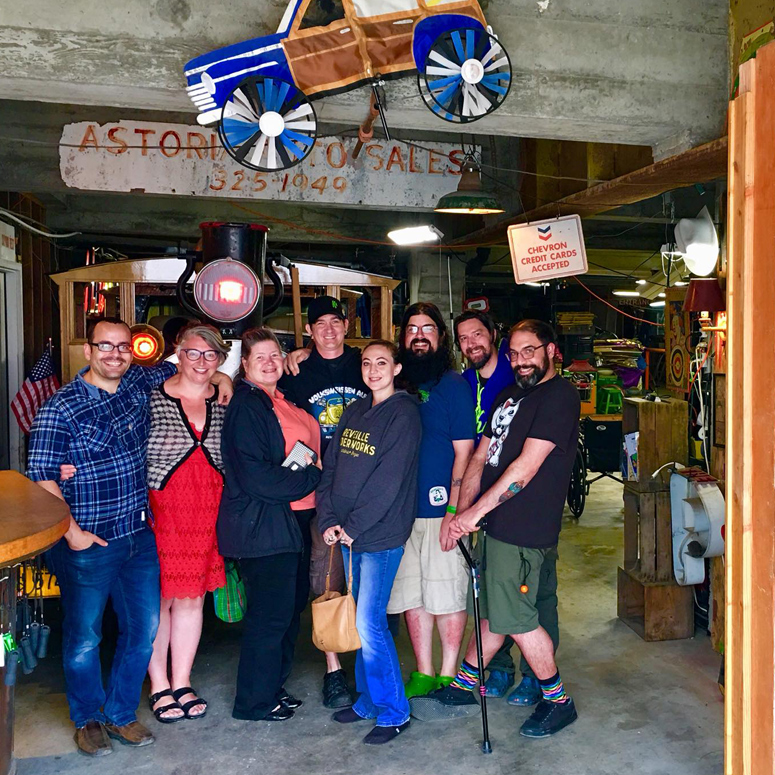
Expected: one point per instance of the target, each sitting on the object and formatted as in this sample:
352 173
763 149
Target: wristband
451 510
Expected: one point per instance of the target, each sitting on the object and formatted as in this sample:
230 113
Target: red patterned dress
184 515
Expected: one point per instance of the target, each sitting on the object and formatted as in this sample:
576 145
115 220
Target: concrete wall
626 71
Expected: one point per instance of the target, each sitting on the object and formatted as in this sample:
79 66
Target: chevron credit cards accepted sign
542 250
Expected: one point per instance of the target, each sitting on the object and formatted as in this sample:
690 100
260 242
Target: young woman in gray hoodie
367 500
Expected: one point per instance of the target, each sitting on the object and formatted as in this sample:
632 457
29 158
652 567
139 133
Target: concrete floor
644 708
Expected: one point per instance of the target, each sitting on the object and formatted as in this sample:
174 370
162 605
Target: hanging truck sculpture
260 92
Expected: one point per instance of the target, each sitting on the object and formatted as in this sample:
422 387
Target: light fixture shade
704 295
697 240
469 203
469 199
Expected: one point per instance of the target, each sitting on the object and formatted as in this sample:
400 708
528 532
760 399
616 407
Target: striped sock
553 690
467 677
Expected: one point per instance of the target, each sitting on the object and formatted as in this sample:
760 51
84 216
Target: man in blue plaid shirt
99 423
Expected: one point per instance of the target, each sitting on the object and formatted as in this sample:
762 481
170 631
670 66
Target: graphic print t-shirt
447 414
325 388
548 411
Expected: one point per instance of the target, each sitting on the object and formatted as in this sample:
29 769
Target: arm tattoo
457 482
511 491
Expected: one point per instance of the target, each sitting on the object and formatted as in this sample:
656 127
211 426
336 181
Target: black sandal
186 706
157 712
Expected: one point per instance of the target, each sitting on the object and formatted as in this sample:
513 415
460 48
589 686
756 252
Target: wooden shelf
663 438
656 610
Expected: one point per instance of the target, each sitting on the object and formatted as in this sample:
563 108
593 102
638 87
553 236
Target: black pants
303 517
268 634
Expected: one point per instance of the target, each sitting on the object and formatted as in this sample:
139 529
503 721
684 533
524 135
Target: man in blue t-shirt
431 584
490 369
489 373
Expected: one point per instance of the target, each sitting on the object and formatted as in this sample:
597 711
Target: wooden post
67 312
750 547
298 333
126 296
386 313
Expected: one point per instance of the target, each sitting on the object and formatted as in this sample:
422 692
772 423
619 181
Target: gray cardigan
172 439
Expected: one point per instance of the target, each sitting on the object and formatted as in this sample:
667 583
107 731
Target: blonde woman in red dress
185 482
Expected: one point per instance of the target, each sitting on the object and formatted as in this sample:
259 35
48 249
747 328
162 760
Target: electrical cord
616 309
696 382
8 214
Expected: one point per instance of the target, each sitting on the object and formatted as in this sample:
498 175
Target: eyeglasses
525 352
428 328
107 347
195 355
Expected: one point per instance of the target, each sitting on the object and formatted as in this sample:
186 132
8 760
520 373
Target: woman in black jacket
367 499
257 526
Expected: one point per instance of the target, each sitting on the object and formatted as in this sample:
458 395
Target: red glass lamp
704 295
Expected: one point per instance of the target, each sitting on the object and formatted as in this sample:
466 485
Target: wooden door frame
750 536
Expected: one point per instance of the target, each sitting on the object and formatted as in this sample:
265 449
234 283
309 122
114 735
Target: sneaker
382 735
347 716
336 692
447 703
288 700
548 718
527 693
498 683
420 684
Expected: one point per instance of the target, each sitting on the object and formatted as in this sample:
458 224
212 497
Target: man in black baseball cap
327 379
324 305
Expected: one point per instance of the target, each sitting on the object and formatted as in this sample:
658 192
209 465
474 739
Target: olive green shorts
504 568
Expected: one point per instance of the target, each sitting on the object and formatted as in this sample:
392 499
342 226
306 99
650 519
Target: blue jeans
127 570
377 671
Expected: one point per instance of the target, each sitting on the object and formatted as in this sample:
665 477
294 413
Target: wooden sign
156 158
542 250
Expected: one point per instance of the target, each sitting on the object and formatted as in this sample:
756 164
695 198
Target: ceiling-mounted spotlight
469 199
627 293
415 235
697 241
657 304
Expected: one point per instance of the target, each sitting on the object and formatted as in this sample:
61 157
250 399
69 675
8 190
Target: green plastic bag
230 600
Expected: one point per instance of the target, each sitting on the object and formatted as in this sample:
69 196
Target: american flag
36 390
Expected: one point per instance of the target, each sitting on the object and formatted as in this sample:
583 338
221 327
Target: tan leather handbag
333 616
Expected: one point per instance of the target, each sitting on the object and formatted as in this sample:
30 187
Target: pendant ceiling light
469 199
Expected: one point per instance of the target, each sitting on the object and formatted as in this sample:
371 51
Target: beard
479 361
423 367
534 377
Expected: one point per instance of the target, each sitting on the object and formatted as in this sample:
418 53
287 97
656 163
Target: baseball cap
325 305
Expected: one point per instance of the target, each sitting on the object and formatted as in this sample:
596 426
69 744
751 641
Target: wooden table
32 521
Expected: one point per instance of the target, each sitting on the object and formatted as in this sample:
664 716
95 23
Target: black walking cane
473 566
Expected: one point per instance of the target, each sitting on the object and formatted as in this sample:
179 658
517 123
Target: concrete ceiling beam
626 72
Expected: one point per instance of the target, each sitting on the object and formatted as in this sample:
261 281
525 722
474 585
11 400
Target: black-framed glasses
526 352
428 328
107 347
194 355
